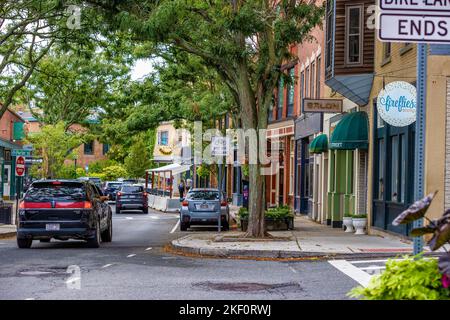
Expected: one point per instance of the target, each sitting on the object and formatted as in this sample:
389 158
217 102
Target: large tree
247 42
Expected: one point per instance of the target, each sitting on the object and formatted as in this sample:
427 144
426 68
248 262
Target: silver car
201 207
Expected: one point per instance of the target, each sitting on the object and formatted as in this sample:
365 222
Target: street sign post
20 152
219 148
422 22
20 166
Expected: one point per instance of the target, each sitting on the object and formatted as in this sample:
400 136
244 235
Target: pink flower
445 281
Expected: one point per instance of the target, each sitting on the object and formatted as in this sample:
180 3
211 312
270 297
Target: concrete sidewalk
7 231
309 239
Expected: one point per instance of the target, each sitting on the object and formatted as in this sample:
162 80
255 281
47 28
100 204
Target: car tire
94 242
45 240
183 226
24 243
145 210
107 234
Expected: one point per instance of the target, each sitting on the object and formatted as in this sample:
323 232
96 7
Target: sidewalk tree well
246 42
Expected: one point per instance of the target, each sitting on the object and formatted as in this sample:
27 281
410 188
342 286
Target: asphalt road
135 266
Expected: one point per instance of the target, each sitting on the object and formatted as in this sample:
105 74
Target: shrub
414 278
359 216
114 172
243 213
279 213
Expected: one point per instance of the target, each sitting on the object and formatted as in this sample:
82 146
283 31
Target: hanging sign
397 104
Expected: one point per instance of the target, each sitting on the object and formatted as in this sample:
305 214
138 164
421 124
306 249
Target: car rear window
114 185
132 189
203 195
58 191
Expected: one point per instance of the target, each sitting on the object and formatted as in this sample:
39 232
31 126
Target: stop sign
20 166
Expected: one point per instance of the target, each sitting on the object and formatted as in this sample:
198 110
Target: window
354 34
307 83
163 138
280 98
329 35
270 116
313 81
105 148
302 87
380 169
394 168
89 148
290 93
387 49
318 76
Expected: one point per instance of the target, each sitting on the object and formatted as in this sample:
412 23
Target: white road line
129 218
175 227
372 261
293 270
353 272
149 248
107 265
373 268
131 255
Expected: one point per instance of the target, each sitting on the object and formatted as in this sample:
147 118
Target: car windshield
58 191
203 195
114 185
132 189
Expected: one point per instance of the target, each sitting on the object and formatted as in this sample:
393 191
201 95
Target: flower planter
360 225
272 224
348 223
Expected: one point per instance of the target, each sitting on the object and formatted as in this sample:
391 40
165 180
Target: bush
80 172
414 278
67 172
359 216
115 172
278 213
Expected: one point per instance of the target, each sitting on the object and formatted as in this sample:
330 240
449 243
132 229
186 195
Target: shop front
308 166
347 182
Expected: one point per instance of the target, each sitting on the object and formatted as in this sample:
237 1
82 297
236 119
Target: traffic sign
27 147
416 5
407 27
20 166
220 146
21 152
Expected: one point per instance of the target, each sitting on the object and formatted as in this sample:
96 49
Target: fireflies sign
426 21
397 104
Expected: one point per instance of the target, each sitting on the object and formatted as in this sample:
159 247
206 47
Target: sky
141 69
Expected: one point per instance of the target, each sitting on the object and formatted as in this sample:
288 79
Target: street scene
235 150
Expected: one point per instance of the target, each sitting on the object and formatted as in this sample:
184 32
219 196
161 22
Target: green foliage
245 170
67 172
279 213
243 213
80 172
100 165
413 278
203 171
114 172
138 159
99 175
348 215
359 216
54 144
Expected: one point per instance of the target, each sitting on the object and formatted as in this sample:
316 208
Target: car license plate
133 197
52 227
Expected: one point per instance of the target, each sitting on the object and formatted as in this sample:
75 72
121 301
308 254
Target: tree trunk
256 223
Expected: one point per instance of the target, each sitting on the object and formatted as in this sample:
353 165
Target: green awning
319 144
351 132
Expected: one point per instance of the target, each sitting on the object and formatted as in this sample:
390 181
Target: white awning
175 168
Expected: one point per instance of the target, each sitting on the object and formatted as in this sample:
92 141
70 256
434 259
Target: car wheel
94 242
45 240
145 210
184 226
107 234
24 243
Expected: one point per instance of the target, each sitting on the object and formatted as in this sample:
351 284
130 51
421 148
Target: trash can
6 213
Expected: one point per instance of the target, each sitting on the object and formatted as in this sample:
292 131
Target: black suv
131 197
64 209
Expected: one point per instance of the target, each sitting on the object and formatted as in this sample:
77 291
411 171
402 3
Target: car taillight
87 205
145 194
185 203
223 203
22 205
119 194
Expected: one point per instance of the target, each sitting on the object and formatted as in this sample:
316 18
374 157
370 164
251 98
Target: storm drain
248 286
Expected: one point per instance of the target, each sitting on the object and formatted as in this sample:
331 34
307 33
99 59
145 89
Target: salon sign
397 104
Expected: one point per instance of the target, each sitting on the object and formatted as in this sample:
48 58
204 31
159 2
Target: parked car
131 197
111 188
64 209
201 207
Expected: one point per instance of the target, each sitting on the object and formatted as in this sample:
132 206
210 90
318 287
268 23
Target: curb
279 254
8 235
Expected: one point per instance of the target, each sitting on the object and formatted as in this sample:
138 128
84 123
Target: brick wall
6 124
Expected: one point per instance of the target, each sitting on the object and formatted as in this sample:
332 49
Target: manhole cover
247 286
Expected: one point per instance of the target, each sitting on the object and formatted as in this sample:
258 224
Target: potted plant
348 223
415 278
359 222
276 219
